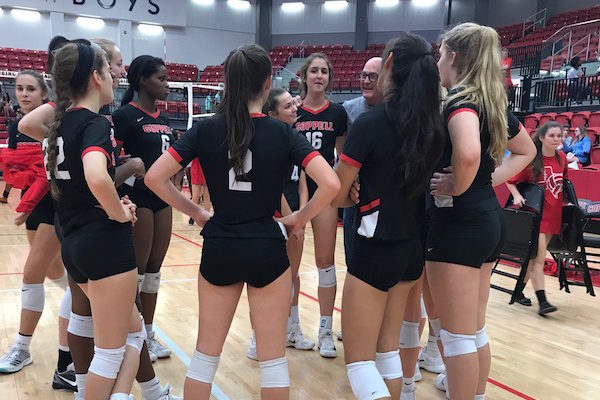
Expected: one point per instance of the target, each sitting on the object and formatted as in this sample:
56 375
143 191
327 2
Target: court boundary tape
490 380
215 390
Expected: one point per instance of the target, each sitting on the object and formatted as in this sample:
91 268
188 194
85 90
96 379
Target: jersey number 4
241 186
315 138
60 158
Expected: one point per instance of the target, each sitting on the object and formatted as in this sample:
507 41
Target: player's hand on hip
442 183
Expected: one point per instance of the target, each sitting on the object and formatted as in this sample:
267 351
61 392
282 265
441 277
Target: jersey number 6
60 158
315 139
241 186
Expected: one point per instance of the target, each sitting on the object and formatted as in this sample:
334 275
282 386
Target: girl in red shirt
548 169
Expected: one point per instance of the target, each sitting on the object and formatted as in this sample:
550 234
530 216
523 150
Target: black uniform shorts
43 213
469 239
258 262
382 264
143 198
98 250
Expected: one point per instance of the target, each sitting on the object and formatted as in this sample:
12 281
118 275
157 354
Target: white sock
253 338
149 331
119 396
290 322
480 396
326 322
23 341
152 389
408 384
63 348
294 314
80 379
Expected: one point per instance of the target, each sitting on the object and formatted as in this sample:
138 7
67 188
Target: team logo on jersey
554 181
314 125
156 128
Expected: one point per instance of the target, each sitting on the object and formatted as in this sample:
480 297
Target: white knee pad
274 373
409 335
33 297
119 396
436 327
81 325
151 282
202 367
107 362
136 339
140 280
456 344
65 305
63 281
389 364
423 309
481 338
366 382
327 277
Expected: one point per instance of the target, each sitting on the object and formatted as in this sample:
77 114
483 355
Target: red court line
186 239
490 380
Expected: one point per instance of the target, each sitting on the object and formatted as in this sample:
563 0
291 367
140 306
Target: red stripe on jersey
97 148
51 104
350 160
153 115
175 154
521 127
277 214
119 142
315 112
75 109
458 111
257 115
309 157
370 206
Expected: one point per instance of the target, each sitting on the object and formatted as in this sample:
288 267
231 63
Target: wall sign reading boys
153 9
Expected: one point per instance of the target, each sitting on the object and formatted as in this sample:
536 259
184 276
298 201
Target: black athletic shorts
58 228
467 238
258 262
143 198
293 200
383 264
43 213
98 250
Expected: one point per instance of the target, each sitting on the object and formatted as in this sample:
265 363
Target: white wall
406 16
73 30
313 19
25 35
508 12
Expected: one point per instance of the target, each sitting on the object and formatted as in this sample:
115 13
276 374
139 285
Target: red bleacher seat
564 118
594 135
547 117
595 155
532 121
580 118
594 119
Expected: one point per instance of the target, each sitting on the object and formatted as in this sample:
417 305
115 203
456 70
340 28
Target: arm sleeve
301 151
119 120
514 125
96 137
565 163
455 107
185 149
584 148
357 145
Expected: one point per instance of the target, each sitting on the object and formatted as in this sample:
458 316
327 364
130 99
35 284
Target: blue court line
215 391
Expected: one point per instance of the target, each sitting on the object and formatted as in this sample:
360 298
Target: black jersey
384 212
15 137
290 187
322 127
244 205
480 195
81 131
142 135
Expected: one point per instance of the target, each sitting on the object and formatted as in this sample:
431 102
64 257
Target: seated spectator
573 70
579 150
566 139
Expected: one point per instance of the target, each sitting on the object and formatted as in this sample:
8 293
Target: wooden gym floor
533 357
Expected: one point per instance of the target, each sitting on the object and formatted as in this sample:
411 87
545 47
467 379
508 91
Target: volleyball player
466 228
145 133
245 157
324 125
395 165
37 212
80 159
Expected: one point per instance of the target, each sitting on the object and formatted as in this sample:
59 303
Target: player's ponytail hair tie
85 61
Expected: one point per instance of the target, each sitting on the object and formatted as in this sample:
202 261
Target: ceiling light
293 6
239 4
424 3
335 5
204 2
150 29
25 15
386 3
90 23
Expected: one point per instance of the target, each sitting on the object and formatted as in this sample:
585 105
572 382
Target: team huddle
413 169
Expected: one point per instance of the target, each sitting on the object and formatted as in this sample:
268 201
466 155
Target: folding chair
569 248
522 232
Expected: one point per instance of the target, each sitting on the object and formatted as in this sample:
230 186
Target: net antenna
189 87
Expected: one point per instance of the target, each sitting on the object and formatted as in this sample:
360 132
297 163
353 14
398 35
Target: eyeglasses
373 76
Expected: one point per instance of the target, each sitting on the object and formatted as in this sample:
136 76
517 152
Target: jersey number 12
60 158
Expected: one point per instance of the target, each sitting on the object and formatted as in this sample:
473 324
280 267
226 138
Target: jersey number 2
241 186
60 158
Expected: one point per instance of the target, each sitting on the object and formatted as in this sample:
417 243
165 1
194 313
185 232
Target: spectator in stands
577 89
573 70
506 67
354 108
579 150
208 103
6 104
217 98
566 139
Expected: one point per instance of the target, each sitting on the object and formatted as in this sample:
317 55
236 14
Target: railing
586 39
530 23
578 24
566 92
302 49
